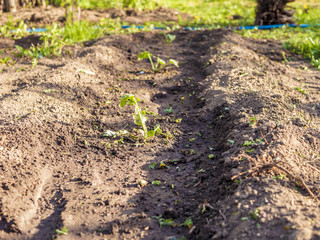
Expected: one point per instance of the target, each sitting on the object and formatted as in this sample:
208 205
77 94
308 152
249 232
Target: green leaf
161 61
174 62
156 183
188 222
157 129
152 165
144 55
169 110
170 38
63 231
123 102
151 133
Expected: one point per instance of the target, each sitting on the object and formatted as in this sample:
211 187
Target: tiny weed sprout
164 222
152 166
156 183
160 62
169 38
62 231
5 60
169 110
304 92
255 214
188 222
253 121
139 115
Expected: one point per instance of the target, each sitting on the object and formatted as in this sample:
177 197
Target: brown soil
58 170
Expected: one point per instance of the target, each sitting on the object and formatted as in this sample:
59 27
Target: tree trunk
10 6
273 12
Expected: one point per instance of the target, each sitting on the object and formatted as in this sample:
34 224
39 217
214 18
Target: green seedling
174 161
253 143
255 214
211 156
156 183
284 57
279 176
62 231
163 165
169 38
139 115
188 222
152 166
169 110
164 222
231 141
192 140
304 92
5 60
160 62
253 121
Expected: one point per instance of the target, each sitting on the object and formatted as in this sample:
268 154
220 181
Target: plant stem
153 69
145 130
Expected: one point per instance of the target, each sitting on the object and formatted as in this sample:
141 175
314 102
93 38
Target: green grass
202 13
219 13
305 42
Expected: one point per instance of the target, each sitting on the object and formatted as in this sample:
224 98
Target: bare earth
239 151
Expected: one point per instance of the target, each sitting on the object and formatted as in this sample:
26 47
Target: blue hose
199 28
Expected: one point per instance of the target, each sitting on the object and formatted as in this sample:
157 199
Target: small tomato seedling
139 115
160 62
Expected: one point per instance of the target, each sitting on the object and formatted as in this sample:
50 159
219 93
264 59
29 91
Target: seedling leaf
188 222
151 133
174 62
63 231
144 55
161 61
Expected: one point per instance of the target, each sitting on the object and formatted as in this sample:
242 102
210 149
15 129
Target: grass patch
305 42
205 13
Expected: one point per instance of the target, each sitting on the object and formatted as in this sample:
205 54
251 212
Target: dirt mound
238 157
